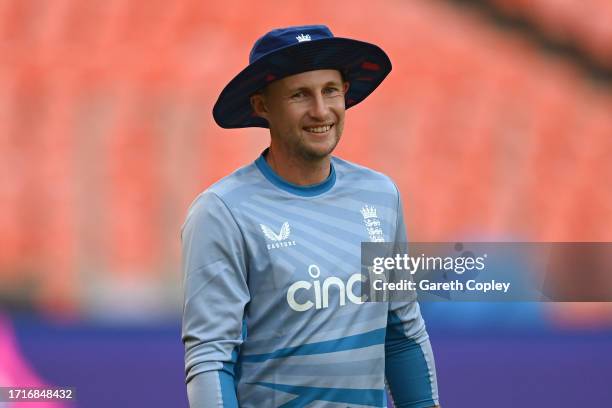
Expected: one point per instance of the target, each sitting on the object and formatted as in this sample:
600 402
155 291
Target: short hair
343 76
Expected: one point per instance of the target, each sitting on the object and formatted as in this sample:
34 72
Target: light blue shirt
272 311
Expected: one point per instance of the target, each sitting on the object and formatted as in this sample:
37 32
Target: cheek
294 118
341 120
339 107
283 119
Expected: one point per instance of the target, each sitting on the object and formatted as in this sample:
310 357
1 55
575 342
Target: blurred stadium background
496 122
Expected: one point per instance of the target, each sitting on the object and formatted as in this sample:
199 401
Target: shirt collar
304 191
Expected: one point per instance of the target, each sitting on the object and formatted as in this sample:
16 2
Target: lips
318 129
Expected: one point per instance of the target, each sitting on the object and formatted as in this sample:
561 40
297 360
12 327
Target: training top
273 314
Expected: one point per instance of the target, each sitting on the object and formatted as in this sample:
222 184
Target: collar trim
304 191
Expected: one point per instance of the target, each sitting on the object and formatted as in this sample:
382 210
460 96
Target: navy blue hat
293 50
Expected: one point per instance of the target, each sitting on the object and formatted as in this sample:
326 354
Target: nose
319 109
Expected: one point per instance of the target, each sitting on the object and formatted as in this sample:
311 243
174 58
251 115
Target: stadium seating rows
106 134
583 23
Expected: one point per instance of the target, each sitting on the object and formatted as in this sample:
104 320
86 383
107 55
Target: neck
297 170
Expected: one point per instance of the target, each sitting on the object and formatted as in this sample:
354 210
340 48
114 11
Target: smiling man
273 313
306 116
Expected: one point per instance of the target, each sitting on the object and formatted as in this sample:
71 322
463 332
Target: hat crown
284 37
289 51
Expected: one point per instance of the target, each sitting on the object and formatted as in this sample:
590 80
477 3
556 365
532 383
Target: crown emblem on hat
303 37
368 212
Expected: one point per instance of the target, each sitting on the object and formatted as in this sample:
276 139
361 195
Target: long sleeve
409 363
215 295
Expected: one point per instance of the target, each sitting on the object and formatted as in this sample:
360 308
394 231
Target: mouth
319 130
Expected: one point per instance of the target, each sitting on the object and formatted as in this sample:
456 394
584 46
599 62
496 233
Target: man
273 315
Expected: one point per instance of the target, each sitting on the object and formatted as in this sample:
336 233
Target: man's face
305 113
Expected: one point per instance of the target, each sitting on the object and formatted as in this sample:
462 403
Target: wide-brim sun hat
293 50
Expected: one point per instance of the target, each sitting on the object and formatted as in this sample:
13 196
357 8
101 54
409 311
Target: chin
317 152
318 149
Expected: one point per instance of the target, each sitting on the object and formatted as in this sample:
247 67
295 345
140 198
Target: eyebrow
305 88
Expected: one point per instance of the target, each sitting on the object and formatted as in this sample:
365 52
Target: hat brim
364 66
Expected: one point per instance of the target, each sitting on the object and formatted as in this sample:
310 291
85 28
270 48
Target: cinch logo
320 293
303 37
281 239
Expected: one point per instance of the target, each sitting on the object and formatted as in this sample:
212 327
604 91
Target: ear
258 104
345 87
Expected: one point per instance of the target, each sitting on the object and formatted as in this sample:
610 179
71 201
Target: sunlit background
496 123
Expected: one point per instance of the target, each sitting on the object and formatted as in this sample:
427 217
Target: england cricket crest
372 223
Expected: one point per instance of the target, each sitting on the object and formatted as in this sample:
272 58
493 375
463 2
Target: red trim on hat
370 66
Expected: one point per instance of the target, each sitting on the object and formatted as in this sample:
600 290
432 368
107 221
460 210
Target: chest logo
372 223
320 291
280 240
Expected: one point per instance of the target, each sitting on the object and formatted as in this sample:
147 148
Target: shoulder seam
244 244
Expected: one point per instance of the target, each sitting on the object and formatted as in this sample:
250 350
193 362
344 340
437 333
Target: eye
331 90
298 95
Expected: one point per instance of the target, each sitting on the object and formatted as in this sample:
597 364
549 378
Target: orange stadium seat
107 134
585 23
